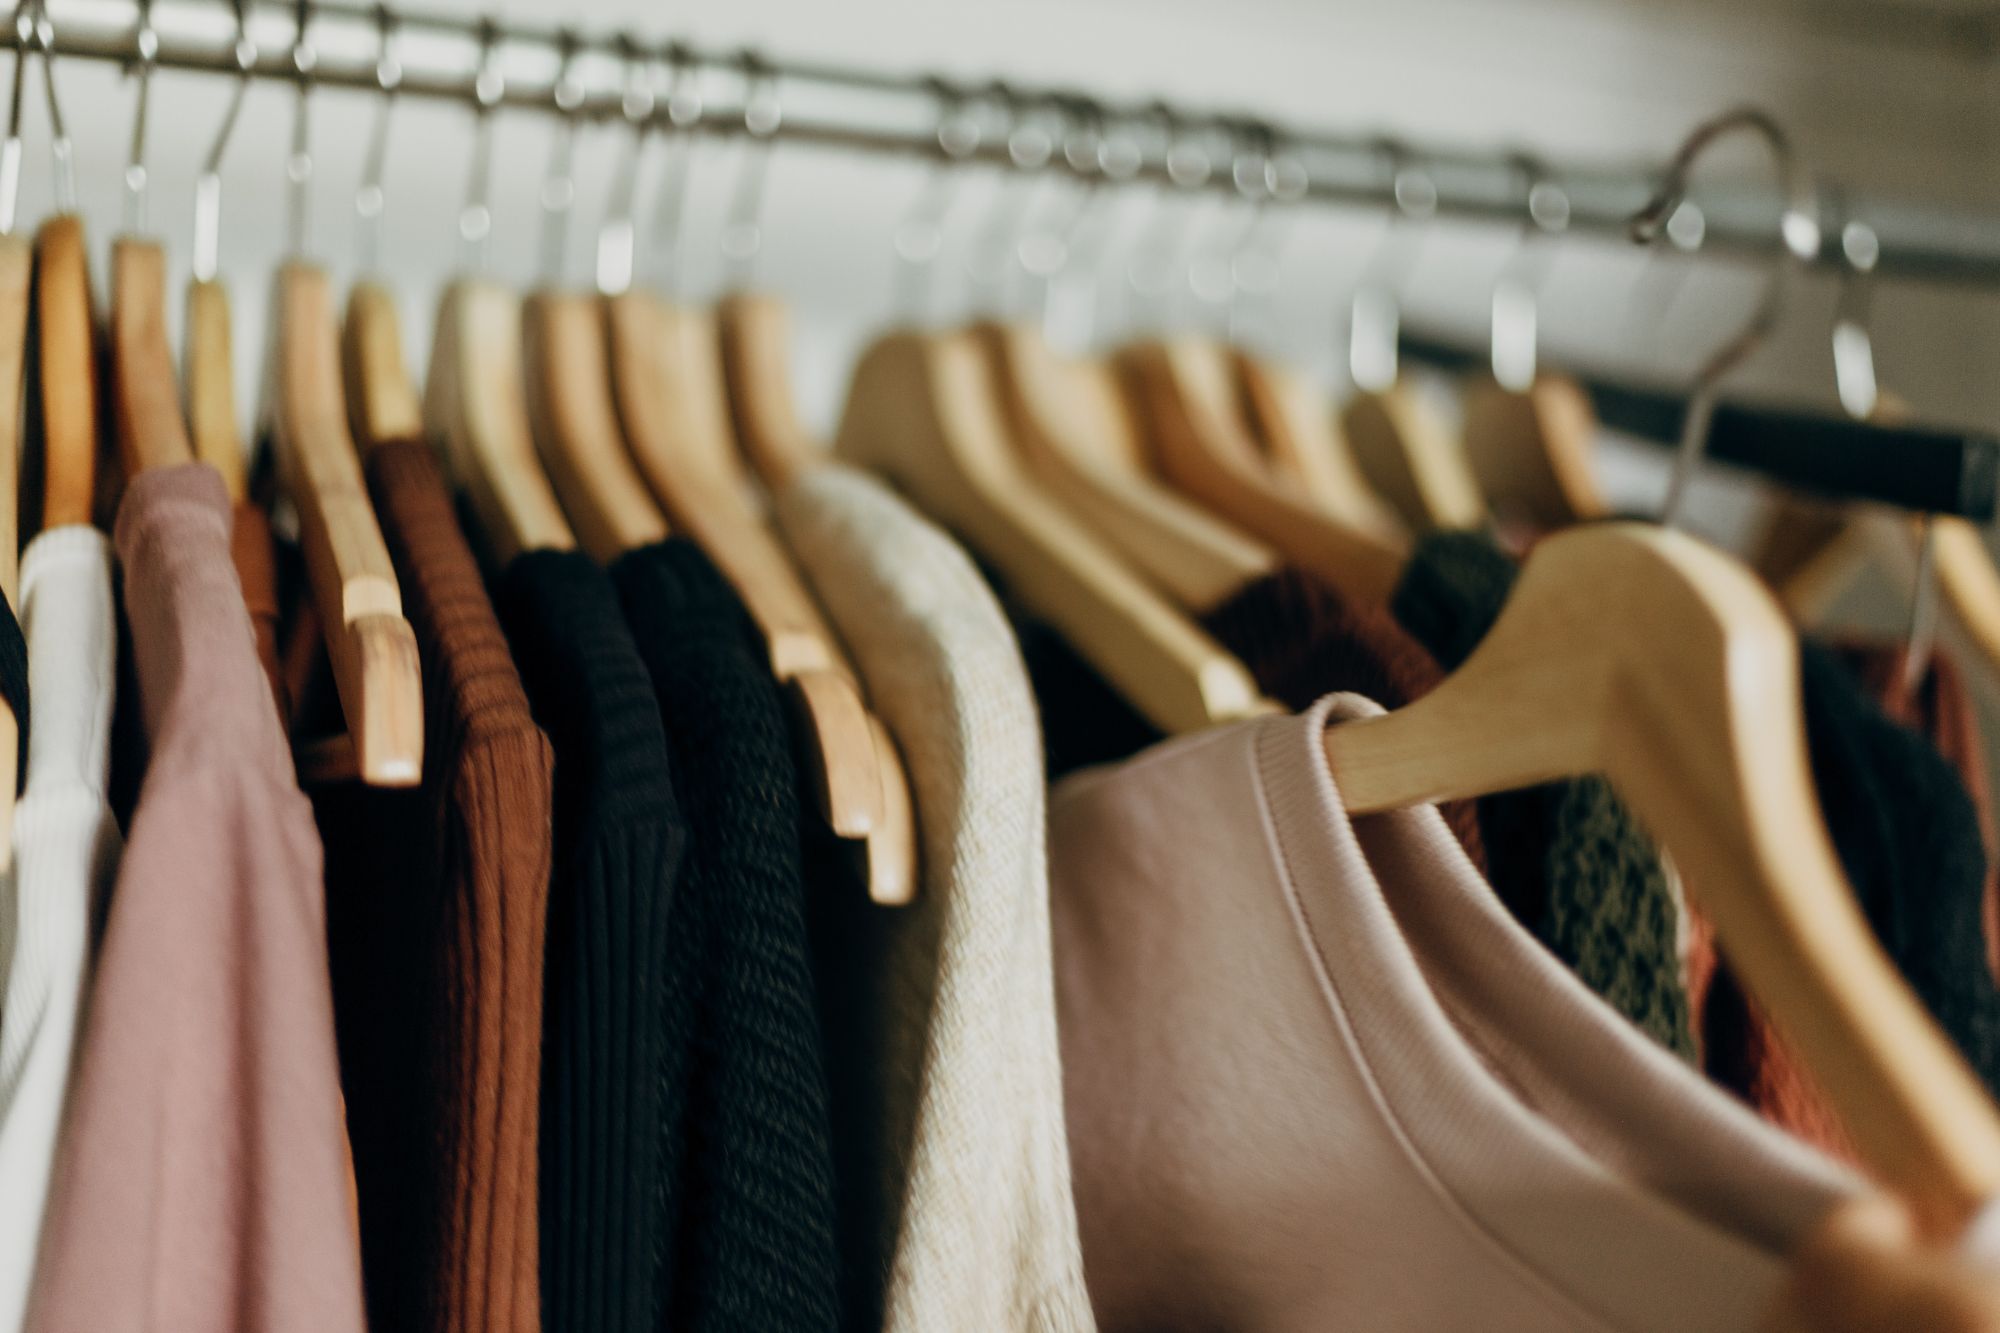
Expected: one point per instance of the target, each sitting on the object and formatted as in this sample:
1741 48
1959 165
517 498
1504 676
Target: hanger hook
299 162
61 150
919 236
1254 259
1799 235
1516 292
1157 248
1028 150
475 219
763 113
10 149
208 185
1068 251
618 240
1375 317
684 112
558 193
368 196
146 52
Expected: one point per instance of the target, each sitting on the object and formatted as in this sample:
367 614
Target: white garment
941 1016
66 848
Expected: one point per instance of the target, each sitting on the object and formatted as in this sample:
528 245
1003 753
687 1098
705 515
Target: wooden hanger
145 393
1077 435
371 646
1202 448
668 382
923 410
381 401
1641 654
1531 450
17 268
475 407
66 362
1295 422
756 351
1411 460
209 374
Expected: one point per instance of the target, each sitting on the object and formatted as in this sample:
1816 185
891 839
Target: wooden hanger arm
1682 687
381 401
1411 461
1295 421
145 393
1531 449
210 373
17 275
67 381
755 340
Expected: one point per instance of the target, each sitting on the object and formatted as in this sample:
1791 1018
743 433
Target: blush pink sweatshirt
202 1179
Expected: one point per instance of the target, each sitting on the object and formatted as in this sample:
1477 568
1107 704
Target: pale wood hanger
382 402
923 410
1202 448
209 374
756 348
1411 460
145 394
476 408
1077 435
66 363
17 290
1643 655
1295 422
1531 449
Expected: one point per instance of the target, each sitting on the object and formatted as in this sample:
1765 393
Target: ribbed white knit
66 848
980 1227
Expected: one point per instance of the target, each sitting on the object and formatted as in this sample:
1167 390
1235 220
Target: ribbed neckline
71 565
1450 1110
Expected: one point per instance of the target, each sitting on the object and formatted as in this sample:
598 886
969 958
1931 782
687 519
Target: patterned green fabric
1568 859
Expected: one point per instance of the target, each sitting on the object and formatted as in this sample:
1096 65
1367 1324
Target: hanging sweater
437 900
749 1240
617 857
66 849
1567 858
203 1177
946 1072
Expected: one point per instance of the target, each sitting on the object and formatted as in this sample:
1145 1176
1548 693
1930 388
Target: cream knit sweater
948 1007
66 849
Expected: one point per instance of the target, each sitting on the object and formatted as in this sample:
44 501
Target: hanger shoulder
65 344
922 410
381 401
475 407
1052 409
1295 421
17 268
145 393
1531 450
755 337
370 644
576 428
1411 460
1682 687
1204 451
209 369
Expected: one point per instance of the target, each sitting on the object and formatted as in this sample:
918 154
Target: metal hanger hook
475 219
991 261
208 185
617 239
558 192
1516 315
763 113
1800 238
299 162
1375 316
146 54
61 149
10 149
1156 251
919 235
368 196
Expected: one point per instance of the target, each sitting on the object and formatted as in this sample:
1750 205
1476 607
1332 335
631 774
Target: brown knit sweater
436 905
253 550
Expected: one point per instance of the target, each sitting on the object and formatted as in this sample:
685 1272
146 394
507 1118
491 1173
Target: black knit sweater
749 1242
619 837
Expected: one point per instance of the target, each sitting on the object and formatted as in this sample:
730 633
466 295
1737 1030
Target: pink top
202 1179
1317 1077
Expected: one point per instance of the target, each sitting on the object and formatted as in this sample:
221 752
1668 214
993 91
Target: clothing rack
522 66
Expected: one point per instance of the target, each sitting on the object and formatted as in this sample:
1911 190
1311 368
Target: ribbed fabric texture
253 550
957 1191
749 1242
619 835
1302 640
1567 858
437 901
66 849
203 1177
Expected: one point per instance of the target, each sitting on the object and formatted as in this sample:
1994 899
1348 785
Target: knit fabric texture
437 900
66 849
618 848
203 1177
1909 842
1302 640
749 1237
1567 858
941 1014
